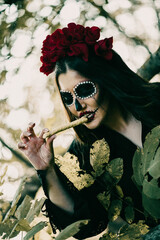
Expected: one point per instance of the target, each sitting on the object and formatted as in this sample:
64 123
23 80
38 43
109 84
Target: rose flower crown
74 40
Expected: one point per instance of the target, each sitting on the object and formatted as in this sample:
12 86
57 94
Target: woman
92 79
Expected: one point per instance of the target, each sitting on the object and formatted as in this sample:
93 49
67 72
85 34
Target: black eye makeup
82 90
67 97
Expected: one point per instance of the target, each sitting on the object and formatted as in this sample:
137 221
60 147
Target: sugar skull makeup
82 90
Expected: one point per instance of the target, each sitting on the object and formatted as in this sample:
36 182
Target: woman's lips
90 114
85 113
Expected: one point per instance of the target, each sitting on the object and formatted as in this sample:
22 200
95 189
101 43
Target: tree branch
151 67
157 14
16 154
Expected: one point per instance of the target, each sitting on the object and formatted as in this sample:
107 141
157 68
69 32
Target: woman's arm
41 155
57 192
63 205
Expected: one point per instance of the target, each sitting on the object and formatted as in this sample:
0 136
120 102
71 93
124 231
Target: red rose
51 41
79 49
57 54
74 40
75 32
60 40
104 48
47 44
56 36
92 35
46 67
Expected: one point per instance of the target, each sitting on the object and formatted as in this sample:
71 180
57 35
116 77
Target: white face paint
68 81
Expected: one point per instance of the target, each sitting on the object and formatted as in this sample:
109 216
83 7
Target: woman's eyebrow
86 80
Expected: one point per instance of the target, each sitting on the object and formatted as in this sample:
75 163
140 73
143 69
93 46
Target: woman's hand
38 150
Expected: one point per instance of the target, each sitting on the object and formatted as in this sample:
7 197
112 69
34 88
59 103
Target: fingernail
54 136
21 145
31 124
45 130
27 134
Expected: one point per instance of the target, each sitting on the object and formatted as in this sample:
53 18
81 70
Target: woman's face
81 97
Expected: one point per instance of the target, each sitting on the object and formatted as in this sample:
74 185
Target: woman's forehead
70 79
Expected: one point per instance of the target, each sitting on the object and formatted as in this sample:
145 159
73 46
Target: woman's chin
92 124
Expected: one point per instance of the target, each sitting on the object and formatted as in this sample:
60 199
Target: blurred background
26 95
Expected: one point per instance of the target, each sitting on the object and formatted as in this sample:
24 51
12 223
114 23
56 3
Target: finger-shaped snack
75 123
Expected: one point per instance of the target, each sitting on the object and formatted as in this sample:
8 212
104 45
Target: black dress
87 206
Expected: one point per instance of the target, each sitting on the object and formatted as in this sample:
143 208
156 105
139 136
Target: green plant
146 169
15 219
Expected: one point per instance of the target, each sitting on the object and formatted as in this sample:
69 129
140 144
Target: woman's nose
78 106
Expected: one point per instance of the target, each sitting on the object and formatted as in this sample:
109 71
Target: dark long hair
116 79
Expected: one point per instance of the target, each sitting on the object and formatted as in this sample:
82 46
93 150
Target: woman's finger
50 141
22 145
30 129
45 130
25 136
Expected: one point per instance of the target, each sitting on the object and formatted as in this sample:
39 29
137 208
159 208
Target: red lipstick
90 114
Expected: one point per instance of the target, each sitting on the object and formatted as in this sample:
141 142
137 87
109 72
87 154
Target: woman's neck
116 118
125 124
